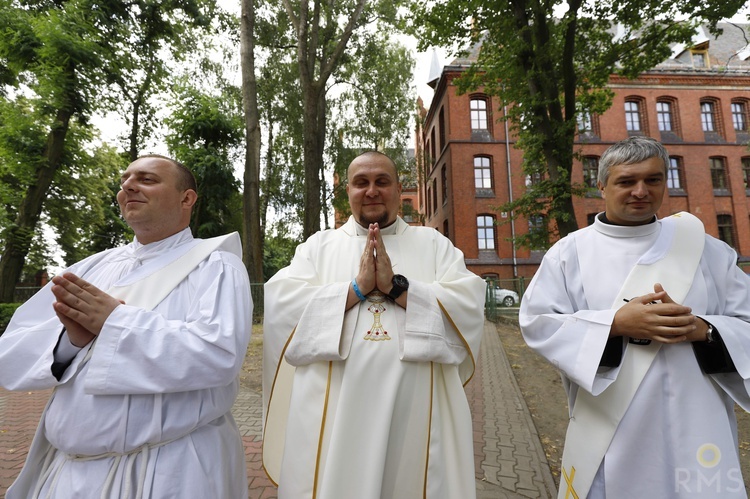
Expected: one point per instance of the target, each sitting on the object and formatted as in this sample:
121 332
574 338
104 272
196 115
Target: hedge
6 312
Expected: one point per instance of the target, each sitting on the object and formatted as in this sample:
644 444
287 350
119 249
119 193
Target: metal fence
23 293
498 300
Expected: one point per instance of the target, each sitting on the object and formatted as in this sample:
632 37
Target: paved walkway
509 459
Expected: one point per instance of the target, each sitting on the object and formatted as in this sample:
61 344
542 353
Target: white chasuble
377 407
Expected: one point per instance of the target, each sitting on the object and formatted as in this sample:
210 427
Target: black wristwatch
400 284
710 333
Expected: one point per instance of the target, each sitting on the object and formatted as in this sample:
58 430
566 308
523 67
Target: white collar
625 230
386 231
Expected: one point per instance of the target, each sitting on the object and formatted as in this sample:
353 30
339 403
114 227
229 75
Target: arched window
585 124
708 116
433 146
665 116
538 232
746 173
635 122
590 171
719 179
482 172
486 232
441 126
711 120
479 116
444 183
675 176
726 229
407 209
739 115
428 205
434 196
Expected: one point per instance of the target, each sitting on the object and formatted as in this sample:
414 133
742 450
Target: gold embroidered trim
463 340
429 430
322 430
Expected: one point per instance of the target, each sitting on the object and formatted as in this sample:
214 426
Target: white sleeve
554 324
195 339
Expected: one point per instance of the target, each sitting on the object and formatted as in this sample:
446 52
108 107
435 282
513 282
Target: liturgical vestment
147 412
377 407
678 438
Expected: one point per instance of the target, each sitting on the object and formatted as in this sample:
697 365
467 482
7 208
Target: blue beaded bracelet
357 291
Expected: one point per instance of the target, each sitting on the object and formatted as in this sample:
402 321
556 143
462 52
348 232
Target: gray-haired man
648 321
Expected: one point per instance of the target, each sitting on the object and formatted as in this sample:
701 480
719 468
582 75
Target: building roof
727 51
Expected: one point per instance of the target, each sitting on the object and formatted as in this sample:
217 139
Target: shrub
6 312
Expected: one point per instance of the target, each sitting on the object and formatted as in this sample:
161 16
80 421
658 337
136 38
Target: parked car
506 297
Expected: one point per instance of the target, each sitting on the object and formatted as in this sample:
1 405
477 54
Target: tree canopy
65 64
549 70
205 133
60 63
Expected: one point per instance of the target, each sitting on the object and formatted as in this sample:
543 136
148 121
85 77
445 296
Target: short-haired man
648 320
146 373
382 323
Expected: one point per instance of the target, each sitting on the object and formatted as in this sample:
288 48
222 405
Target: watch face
400 284
400 281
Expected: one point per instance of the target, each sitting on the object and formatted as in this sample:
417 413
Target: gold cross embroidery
569 482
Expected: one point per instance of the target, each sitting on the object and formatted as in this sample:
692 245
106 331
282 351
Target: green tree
282 183
81 203
323 32
376 107
205 133
252 249
55 52
280 105
548 70
57 63
378 98
155 38
278 250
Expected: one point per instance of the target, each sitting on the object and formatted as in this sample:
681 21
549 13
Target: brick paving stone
523 466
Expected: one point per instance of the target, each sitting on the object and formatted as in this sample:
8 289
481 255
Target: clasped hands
656 316
375 269
81 307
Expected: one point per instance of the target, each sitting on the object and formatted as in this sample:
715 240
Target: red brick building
696 103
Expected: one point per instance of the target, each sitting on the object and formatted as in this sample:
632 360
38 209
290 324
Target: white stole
148 291
672 261
150 288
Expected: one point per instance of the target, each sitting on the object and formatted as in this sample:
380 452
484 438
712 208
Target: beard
382 218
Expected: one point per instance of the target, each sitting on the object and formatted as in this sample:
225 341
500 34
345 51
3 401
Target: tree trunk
20 235
265 197
309 57
313 156
134 130
252 248
322 127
